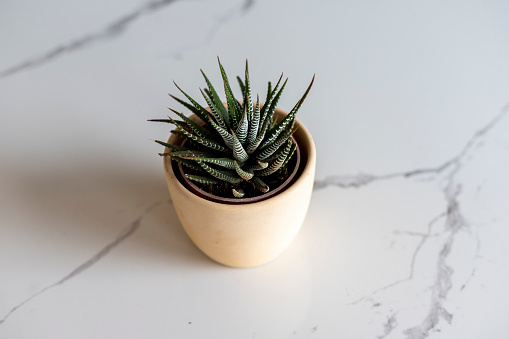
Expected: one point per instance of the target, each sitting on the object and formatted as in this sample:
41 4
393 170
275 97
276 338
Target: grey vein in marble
390 325
443 284
410 276
454 222
112 30
123 235
115 29
363 179
244 7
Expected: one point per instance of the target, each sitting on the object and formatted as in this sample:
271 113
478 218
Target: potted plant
240 173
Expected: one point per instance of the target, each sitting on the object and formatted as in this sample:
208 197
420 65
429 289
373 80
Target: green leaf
228 176
274 132
248 102
243 174
196 128
268 150
172 147
294 110
253 146
191 153
260 185
190 107
242 86
206 90
269 113
160 120
239 152
238 192
217 101
190 143
227 137
181 125
230 98
259 165
278 162
254 123
188 163
202 179
269 91
223 162
199 110
243 126
205 142
289 157
266 106
214 111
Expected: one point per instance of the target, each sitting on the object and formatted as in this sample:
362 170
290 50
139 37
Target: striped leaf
189 163
270 149
269 113
243 126
238 192
289 120
242 142
196 128
200 111
202 179
192 108
172 147
254 123
289 157
230 98
248 102
180 125
191 144
260 185
266 106
205 142
227 137
278 162
223 162
294 110
259 165
179 153
214 111
217 101
191 153
228 176
243 174
274 132
253 146
275 155
239 152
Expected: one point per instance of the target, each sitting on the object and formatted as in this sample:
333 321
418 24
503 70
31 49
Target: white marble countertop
407 231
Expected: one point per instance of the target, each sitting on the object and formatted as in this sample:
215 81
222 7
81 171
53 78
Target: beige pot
250 234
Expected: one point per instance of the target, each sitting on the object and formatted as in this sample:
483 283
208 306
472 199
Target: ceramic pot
250 234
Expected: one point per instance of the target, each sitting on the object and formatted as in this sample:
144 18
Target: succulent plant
239 141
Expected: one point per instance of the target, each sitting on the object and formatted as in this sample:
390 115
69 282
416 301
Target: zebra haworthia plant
239 142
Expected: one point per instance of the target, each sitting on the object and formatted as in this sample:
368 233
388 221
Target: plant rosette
259 155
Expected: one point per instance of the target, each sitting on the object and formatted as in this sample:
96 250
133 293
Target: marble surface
406 235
